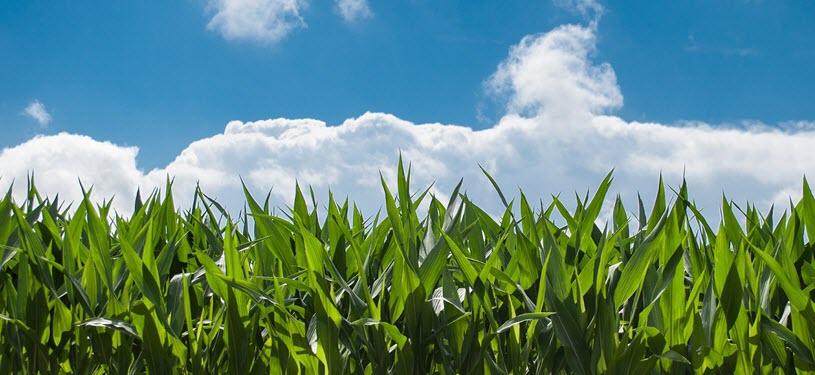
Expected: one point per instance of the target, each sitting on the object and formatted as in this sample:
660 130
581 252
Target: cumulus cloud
354 10
61 161
558 135
554 72
267 21
37 111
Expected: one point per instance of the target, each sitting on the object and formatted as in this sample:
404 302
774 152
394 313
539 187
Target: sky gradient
166 77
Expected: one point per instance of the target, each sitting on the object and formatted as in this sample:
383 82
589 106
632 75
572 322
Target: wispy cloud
354 10
266 21
694 46
270 21
591 10
724 51
37 111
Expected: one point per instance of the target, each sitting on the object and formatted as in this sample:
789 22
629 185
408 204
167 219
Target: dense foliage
447 290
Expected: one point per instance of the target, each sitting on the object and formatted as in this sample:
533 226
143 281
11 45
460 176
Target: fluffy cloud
36 110
558 136
553 72
266 21
354 10
61 161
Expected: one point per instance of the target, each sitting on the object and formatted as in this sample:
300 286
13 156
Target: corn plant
452 289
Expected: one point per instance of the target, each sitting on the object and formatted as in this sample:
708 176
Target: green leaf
793 342
114 324
470 274
633 273
525 317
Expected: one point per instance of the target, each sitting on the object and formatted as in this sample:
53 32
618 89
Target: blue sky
546 97
151 74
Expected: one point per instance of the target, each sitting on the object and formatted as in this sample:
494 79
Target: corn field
450 289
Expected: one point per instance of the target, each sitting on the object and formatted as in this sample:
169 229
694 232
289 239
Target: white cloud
557 136
553 72
354 10
267 21
36 110
60 161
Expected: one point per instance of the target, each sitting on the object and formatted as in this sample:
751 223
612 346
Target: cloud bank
36 110
558 135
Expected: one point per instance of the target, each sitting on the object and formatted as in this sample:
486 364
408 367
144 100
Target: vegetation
450 290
